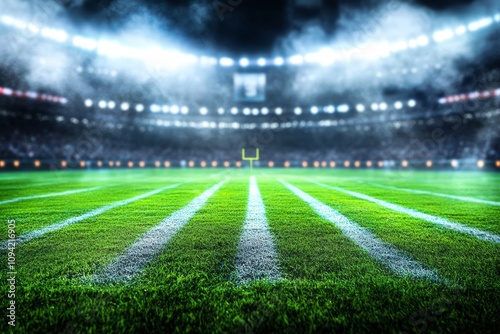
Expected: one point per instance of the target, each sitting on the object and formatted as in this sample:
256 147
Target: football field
234 250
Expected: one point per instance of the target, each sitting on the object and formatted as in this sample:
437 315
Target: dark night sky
253 27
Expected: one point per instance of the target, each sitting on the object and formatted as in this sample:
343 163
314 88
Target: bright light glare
360 108
234 111
88 103
244 62
296 60
246 111
374 106
155 108
226 62
382 106
343 108
460 30
314 110
398 105
297 111
102 104
422 40
264 111
203 111
261 62
278 111
476 25
139 108
330 109
278 61
184 110
412 103
442 35
124 106
55 34
174 109
84 43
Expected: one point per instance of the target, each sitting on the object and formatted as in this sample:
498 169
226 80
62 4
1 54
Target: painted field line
63 193
425 192
420 215
386 254
130 263
31 185
70 221
256 257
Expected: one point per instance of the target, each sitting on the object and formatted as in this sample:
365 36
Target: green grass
328 282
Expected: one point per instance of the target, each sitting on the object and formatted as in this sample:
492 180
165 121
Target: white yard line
63 193
54 227
420 215
425 192
386 254
127 265
256 258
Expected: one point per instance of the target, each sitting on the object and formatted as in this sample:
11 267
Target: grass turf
329 283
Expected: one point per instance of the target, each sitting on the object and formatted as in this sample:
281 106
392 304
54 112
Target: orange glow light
167 164
304 164
130 164
226 164
82 164
270 164
332 164
404 163
347 163
37 163
214 164
287 164
368 164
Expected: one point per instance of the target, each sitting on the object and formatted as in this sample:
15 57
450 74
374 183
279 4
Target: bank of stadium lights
203 110
479 24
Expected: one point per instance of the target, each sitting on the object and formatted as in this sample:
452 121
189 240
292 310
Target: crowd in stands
48 143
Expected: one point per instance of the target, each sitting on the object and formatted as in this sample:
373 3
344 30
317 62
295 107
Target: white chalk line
417 214
384 253
130 263
425 192
256 257
23 238
63 193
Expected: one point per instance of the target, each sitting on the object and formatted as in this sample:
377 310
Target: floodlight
360 108
244 62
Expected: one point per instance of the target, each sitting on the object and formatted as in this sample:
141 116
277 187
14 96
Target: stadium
243 166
